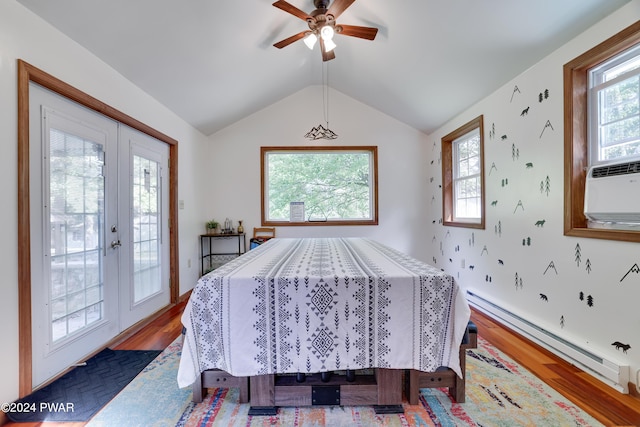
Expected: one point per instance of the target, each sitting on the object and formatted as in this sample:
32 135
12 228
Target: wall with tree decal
586 291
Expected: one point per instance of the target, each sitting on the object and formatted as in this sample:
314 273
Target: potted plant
212 226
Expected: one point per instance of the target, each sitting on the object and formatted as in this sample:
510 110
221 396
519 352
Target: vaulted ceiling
212 62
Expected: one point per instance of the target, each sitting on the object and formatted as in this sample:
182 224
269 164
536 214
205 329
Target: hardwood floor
600 401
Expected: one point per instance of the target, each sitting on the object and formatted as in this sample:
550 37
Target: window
466 177
319 186
614 108
610 67
463 176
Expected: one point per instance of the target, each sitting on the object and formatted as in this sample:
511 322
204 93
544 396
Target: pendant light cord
325 92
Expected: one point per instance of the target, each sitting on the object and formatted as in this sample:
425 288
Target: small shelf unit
218 249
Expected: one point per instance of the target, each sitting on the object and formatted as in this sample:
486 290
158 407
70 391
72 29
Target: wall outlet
462 263
189 263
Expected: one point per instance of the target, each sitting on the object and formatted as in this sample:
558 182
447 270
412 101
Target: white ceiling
212 62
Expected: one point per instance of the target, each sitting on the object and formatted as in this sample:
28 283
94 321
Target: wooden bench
443 377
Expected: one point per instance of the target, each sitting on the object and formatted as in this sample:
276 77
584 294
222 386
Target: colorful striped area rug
499 393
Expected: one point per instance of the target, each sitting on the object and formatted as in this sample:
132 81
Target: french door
99 230
144 239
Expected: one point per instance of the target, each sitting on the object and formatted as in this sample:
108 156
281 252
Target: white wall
614 314
25 36
234 171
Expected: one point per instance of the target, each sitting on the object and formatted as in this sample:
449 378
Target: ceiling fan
322 26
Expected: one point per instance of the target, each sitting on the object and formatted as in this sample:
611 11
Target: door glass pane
76 194
146 228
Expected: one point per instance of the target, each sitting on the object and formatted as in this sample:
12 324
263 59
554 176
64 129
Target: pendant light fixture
322 132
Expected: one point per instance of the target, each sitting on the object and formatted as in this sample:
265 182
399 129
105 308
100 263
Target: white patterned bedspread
322 304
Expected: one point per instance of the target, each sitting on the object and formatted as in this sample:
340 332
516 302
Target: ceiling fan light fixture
329 45
326 33
310 40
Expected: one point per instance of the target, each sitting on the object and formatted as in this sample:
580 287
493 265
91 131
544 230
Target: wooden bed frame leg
413 386
389 383
217 378
458 391
198 391
263 395
456 384
389 386
243 397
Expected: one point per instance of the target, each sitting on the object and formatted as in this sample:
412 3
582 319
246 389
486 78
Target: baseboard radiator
607 371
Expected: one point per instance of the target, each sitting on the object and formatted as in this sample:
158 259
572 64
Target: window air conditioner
612 193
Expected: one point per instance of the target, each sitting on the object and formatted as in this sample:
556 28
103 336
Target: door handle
115 244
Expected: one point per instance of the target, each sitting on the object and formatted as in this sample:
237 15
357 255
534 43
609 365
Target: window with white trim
578 146
463 176
614 108
466 177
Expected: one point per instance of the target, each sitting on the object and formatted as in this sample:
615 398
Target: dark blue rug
81 392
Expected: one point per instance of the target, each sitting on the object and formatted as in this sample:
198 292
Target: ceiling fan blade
289 8
368 33
326 56
289 40
339 6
